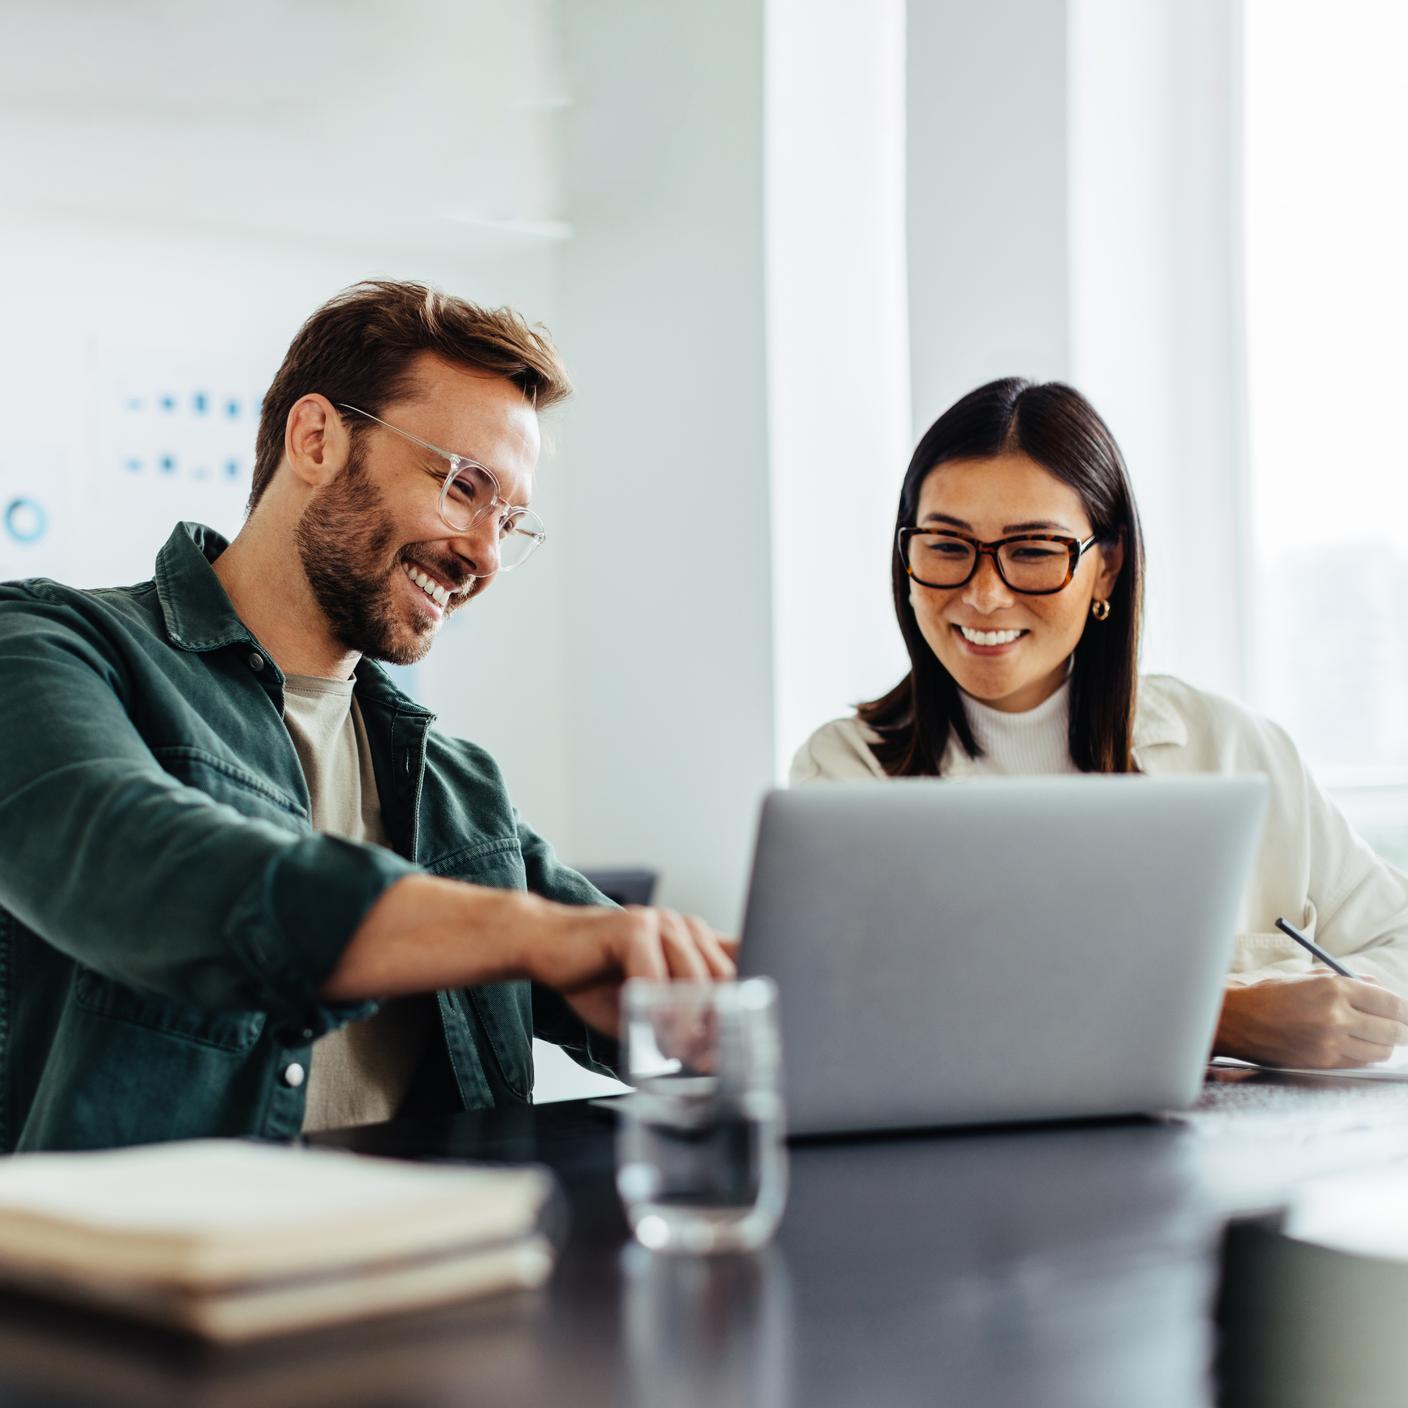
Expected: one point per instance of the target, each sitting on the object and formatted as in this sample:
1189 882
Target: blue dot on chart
135 403
168 403
232 409
25 520
168 464
199 402
132 464
232 469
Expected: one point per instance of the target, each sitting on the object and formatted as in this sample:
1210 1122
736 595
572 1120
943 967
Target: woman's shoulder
837 752
1170 711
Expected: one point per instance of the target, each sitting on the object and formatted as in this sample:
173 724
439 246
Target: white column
838 373
663 451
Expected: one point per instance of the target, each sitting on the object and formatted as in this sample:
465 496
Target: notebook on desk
997 950
229 1240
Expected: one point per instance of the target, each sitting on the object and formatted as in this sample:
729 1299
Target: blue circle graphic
25 520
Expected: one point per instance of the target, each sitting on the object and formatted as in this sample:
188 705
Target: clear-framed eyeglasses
469 493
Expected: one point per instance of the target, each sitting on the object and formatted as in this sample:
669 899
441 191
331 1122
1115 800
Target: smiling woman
1017 573
1016 527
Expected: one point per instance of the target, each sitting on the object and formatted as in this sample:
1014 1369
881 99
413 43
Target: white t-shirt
360 1073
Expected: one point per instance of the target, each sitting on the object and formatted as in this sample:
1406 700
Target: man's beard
343 537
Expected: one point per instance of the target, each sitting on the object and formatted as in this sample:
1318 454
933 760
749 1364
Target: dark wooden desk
1070 1265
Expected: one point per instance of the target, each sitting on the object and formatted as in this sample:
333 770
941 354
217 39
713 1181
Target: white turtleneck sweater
1036 741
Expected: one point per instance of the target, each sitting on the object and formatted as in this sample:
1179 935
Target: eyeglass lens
470 494
1027 565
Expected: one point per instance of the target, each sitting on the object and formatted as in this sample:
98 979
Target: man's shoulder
25 592
29 601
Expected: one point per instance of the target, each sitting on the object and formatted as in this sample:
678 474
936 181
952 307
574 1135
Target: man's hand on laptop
426 933
1315 1020
587 953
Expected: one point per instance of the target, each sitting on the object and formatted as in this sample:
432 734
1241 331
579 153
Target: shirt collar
198 614
200 617
374 687
1156 722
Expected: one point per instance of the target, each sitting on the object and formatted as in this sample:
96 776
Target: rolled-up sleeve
553 1018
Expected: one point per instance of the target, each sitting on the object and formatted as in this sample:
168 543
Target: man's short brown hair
357 350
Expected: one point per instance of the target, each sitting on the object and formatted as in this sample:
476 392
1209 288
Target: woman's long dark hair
1057 427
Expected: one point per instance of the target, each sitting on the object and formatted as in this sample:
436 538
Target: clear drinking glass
700 1161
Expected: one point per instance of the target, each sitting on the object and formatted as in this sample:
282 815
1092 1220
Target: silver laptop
989 950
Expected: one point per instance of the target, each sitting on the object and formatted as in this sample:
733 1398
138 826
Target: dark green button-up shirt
168 916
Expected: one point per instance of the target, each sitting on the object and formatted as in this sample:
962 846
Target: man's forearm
426 933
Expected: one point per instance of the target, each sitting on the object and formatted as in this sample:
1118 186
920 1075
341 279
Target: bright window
1326 209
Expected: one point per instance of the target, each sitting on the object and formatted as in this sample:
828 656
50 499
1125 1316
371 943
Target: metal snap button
256 661
294 1074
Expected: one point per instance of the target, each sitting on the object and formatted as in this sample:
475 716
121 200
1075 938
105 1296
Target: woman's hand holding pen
1315 1020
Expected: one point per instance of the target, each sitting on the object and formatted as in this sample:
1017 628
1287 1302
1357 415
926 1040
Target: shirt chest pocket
222 1031
497 864
502 1011
233 786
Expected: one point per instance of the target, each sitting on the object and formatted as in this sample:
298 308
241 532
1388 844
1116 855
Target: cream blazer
1312 867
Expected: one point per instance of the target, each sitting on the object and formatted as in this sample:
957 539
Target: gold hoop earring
1100 609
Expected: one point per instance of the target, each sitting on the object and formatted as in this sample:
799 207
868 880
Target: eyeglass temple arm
404 434
426 445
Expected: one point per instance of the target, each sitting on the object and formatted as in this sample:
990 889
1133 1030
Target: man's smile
435 590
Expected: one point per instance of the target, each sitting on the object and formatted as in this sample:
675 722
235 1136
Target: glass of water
700 1161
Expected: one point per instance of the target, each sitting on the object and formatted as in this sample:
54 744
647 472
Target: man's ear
316 442
1111 562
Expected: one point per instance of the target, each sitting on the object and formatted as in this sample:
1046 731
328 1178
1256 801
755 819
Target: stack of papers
231 1240
1395 1068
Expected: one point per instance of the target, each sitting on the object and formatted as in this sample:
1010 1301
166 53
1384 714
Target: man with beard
245 887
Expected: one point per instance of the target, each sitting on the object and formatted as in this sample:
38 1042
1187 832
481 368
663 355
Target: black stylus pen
1311 946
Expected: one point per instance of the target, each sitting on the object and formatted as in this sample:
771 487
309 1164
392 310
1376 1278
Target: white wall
989 279
668 692
1156 303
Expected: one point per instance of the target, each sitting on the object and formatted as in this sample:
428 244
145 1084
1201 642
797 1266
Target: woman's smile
990 641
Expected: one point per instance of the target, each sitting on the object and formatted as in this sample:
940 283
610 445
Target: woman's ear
1111 561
